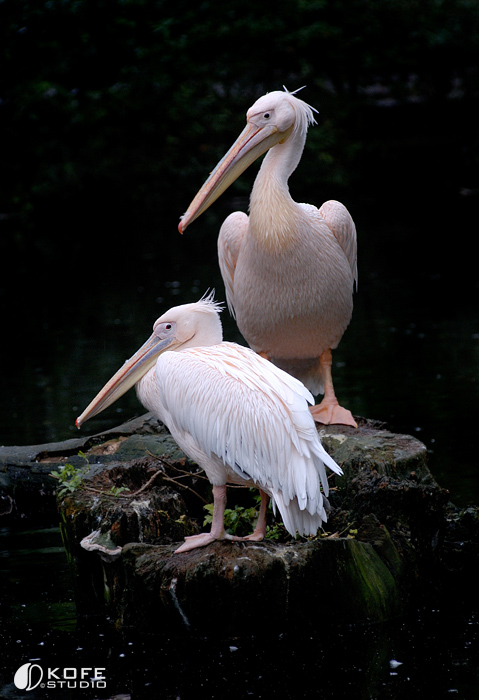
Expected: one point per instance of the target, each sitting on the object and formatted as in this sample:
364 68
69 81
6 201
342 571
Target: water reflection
36 583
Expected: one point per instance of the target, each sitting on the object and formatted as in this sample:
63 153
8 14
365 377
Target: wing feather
230 239
255 418
341 224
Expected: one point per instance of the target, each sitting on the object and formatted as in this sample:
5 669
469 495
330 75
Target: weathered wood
27 490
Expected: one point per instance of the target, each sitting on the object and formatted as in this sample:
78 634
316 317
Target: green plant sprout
117 490
70 478
240 521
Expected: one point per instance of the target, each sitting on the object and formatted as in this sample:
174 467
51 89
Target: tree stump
392 536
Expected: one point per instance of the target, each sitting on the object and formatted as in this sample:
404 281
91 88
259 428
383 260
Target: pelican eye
164 330
266 115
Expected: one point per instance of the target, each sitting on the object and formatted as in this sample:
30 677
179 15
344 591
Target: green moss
370 585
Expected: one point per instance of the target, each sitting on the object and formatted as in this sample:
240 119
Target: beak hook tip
181 225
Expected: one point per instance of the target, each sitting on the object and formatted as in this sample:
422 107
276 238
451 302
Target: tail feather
301 502
300 520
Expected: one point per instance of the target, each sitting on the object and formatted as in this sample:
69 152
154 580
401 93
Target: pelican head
186 326
272 120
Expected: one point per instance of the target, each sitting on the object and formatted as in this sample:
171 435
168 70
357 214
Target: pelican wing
230 239
255 418
341 223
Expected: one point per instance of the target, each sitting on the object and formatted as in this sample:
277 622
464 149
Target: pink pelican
286 266
243 420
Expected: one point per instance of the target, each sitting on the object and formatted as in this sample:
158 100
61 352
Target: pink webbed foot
206 538
254 537
331 413
195 541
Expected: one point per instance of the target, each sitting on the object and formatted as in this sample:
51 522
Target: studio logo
30 676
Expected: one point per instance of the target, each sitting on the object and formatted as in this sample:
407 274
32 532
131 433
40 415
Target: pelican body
243 420
286 265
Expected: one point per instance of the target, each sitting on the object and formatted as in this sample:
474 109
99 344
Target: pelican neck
273 214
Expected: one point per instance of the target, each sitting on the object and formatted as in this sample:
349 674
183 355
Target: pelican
286 266
243 420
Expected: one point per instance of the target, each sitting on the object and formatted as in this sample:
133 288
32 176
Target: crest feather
304 111
208 303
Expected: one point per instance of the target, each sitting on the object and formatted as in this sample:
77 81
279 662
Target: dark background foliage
111 107
112 113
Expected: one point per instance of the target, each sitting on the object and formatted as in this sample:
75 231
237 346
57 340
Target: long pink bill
126 377
250 144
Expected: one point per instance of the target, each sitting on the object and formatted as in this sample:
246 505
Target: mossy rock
392 535
234 589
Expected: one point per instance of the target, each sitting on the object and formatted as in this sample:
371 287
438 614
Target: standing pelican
239 417
288 265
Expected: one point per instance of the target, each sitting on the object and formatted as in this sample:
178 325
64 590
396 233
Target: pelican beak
250 145
128 375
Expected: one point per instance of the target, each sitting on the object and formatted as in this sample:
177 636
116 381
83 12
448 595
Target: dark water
410 356
433 652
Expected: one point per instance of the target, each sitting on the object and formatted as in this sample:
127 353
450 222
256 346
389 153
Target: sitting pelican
288 265
239 417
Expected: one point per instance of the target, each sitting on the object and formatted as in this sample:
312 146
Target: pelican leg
329 411
217 531
260 529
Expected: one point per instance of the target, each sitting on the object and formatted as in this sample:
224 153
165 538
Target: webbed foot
330 412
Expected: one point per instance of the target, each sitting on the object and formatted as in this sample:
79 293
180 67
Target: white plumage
242 419
285 263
